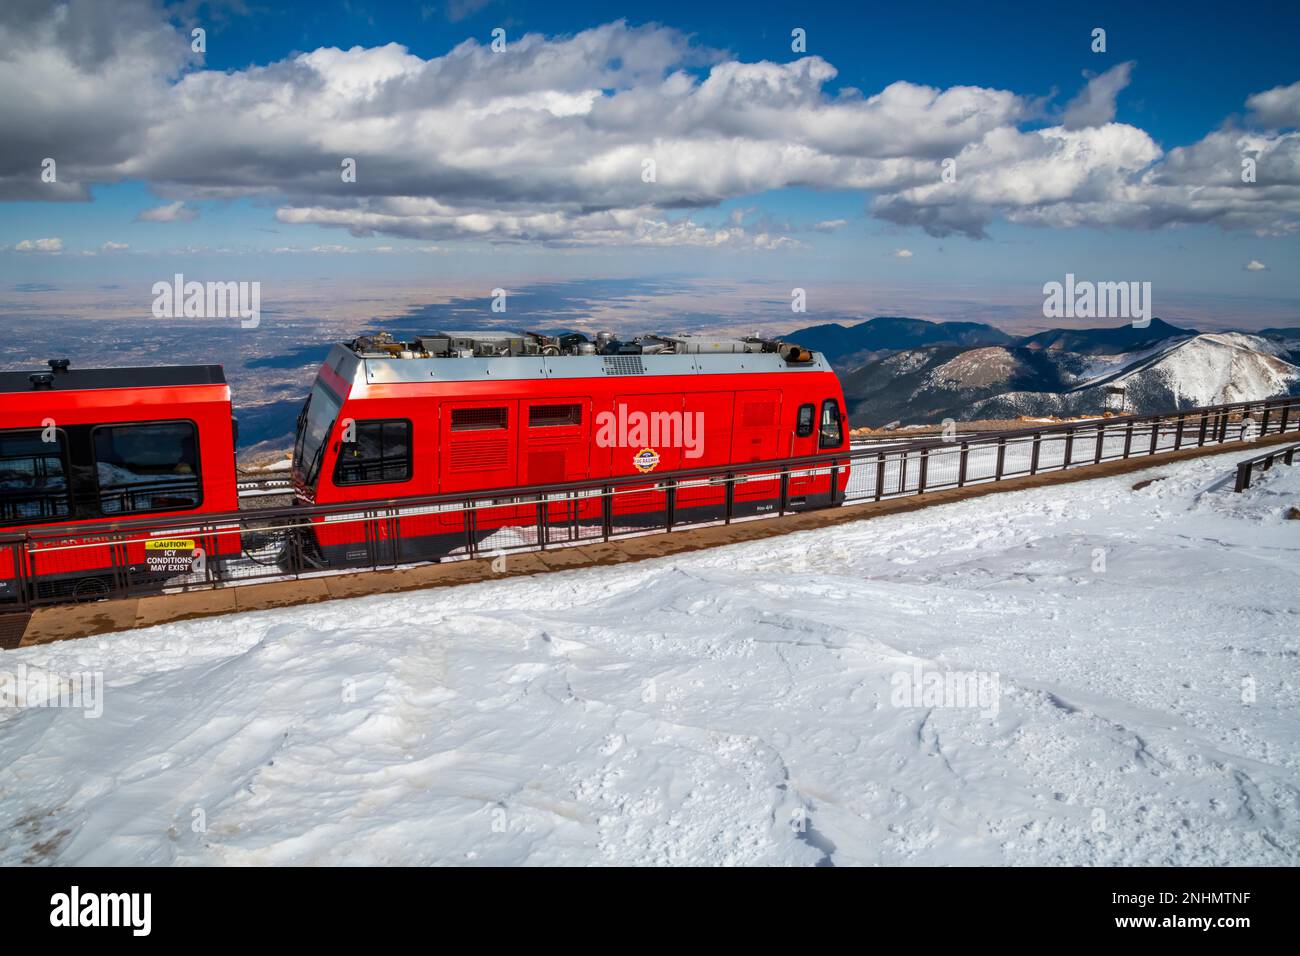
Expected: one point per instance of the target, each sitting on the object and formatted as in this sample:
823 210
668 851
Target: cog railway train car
82 449
460 412
445 414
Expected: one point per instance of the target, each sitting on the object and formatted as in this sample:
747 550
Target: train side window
33 477
381 453
548 416
479 419
804 428
150 466
832 432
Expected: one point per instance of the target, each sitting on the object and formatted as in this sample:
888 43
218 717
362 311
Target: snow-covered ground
1133 658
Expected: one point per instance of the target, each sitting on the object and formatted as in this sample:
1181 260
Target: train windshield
315 423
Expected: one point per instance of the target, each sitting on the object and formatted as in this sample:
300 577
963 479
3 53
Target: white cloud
1095 104
1276 108
550 144
830 225
1254 265
40 245
171 212
902 253
111 246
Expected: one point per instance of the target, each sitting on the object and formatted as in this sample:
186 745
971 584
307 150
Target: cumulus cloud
111 246
614 135
1095 104
1254 265
902 253
1276 108
170 212
40 245
831 225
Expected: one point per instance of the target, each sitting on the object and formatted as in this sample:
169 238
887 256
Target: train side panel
74 462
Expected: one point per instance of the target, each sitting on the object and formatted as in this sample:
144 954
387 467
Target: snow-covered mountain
1208 369
1075 372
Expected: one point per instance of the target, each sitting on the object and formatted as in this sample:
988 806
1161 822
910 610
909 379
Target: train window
546 416
151 466
315 422
832 433
804 428
381 453
478 419
33 477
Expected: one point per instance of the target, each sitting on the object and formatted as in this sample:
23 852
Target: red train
443 414
81 449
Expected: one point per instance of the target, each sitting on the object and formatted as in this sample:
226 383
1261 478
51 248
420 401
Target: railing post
785 489
880 474
1223 426
607 511
731 496
18 555
902 473
1033 455
1101 442
1178 432
961 464
1263 423
1205 421
1002 459
1286 412
1128 439
471 527
1155 435
670 504
541 522
1069 448
925 467
1243 476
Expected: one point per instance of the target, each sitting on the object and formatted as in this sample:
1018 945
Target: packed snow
1094 673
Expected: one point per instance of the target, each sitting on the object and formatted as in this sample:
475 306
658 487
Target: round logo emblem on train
647 459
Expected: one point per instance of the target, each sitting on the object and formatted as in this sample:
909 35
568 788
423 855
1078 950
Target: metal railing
71 562
1245 469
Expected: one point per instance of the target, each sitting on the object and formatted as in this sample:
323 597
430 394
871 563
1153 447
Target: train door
757 437
801 424
478 450
708 421
555 447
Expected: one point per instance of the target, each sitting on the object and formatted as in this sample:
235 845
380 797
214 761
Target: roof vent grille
623 365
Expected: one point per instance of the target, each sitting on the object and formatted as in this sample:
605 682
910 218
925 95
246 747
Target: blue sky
1191 70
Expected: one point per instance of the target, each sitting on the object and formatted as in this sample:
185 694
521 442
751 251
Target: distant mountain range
913 371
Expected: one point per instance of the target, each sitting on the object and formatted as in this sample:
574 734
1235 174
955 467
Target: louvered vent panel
479 455
623 365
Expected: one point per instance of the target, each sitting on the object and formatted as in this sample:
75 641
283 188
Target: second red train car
462 412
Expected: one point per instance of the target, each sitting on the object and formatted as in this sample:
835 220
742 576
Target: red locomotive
445 414
469 411
81 449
